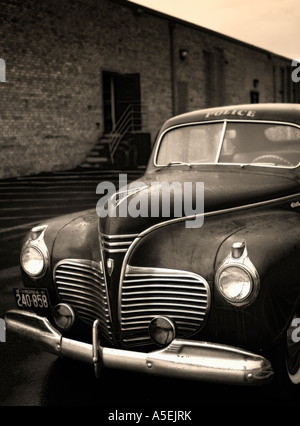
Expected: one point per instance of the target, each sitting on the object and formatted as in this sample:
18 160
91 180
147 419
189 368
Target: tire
293 351
285 360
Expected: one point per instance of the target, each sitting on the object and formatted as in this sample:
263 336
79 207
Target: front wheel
293 351
285 360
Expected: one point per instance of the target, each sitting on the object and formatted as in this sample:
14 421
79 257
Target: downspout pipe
173 70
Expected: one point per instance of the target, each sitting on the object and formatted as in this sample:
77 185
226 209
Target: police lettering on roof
241 113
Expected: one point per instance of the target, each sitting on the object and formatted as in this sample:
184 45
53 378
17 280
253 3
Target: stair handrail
126 123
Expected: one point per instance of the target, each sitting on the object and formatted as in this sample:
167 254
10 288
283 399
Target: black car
193 270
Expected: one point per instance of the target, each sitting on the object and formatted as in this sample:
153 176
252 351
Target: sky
270 24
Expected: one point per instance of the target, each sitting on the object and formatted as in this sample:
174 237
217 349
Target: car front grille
116 243
147 293
81 284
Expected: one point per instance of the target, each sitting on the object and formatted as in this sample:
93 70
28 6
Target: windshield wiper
175 163
257 164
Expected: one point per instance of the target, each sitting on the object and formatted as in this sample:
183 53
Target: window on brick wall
254 97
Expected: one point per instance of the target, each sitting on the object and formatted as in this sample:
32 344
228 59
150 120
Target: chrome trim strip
219 212
115 243
140 270
228 120
75 262
184 293
114 250
121 236
164 301
151 317
138 325
156 278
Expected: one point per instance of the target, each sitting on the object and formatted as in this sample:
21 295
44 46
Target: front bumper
184 359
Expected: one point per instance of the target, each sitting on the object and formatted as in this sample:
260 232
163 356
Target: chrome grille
146 293
81 284
116 243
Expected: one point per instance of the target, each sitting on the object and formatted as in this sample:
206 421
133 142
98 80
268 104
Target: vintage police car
210 294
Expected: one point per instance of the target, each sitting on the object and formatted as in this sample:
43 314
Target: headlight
235 283
32 261
34 256
237 278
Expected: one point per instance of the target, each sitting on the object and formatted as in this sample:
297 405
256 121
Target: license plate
32 298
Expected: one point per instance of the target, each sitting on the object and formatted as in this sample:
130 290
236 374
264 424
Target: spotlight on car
162 330
63 316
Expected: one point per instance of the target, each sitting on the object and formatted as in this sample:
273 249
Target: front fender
78 239
273 245
69 236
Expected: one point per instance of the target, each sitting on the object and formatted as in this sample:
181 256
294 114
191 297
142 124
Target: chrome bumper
182 358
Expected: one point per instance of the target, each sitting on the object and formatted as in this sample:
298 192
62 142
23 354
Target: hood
201 191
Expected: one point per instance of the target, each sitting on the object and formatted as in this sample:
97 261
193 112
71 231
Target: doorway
119 91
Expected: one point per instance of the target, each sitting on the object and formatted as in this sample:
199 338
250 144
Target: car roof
284 112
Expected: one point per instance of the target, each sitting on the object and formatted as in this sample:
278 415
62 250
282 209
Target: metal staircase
118 145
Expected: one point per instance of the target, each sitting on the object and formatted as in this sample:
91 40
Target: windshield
255 143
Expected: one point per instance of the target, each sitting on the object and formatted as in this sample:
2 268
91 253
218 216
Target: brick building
74 66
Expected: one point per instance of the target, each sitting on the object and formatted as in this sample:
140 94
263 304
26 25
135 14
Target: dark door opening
183 97
119 92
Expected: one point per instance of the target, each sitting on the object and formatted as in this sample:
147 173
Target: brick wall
236 70
49 102
55 52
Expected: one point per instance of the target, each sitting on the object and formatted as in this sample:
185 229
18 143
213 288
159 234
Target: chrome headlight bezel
37 243
238 258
